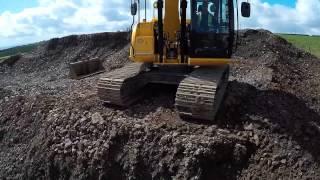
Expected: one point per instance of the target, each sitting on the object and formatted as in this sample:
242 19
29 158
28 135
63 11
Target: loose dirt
52 127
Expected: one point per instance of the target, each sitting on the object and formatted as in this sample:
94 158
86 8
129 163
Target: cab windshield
210 16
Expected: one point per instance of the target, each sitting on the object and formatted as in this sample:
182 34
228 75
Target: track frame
199 94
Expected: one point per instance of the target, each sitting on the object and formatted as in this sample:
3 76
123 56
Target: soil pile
45 71
268 126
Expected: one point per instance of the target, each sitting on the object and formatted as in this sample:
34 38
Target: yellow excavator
193 53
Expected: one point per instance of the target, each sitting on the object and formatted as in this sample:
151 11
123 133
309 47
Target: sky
27 21
289 3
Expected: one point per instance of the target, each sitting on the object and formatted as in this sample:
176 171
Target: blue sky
289 3
27 21
16 5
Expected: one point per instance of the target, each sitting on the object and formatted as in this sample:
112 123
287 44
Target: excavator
193 53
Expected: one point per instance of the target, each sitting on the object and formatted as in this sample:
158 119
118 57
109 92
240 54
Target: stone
223 131
96 118
249 127
275 163
175 134
83 119
67 143
283 161
297 147
256 139
137 126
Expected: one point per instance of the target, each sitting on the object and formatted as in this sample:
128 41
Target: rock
256 139
283 161
175 134
249 127
137 126
300 163
211 129
297 147
276 157
67 143
250 133
275 164
265 154
223 131
96 118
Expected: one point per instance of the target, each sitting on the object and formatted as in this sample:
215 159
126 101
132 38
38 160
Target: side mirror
134 9
245 9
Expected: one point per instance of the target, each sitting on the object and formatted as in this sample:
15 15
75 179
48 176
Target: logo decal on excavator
140 41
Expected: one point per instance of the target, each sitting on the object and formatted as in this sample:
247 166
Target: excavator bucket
83 69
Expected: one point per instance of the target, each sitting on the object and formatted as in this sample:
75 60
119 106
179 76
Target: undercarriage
199 94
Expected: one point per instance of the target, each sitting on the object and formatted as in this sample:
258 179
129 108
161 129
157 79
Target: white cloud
302 18
52 18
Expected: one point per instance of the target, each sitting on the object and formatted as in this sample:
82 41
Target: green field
17 50
3 58
309 43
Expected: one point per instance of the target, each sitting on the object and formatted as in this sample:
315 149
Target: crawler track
200 94
120 87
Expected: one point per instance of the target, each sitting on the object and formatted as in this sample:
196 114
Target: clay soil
52 127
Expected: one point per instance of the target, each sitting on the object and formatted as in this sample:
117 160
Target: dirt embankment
268 127
45 71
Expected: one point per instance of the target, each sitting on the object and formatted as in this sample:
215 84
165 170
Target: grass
17 50
308 43
3 58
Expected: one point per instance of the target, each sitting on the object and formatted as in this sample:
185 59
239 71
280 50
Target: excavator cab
212 29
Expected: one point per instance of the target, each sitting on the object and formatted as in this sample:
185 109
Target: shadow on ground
287 114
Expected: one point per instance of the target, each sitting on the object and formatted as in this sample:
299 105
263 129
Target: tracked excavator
193 53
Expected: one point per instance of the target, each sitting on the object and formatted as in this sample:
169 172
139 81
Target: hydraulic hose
237 36
133 20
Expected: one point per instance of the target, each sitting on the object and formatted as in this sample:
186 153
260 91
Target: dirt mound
21 126
257 43
270 62
76 48
268 126
46 69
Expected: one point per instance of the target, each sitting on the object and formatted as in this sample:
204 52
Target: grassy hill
308 43
4 57
17 50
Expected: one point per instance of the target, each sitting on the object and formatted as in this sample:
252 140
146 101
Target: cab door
212 29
